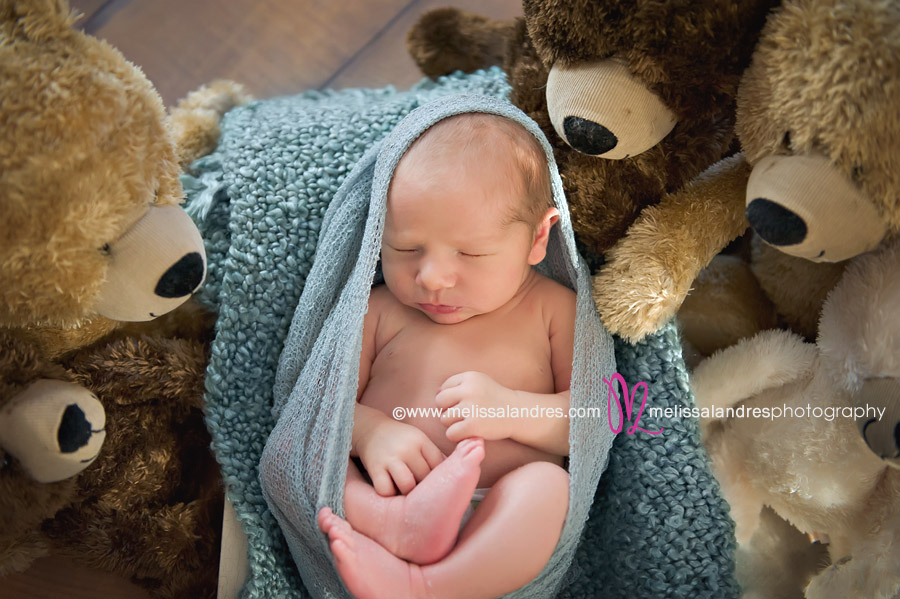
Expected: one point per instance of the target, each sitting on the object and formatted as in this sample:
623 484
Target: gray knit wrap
658 526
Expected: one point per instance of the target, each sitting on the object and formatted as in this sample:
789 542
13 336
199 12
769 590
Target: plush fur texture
727 281
648 274
824 78
815 472
691 54
24 503
606 196
194 123
795 286
85 150
823 82
150 507
95 137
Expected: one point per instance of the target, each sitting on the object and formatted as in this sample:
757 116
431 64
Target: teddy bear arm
797 287
445 40
768 360
164 548
650 271
194 122
171 372
725 304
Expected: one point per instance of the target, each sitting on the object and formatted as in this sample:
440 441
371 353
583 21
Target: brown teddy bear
819 122
652 85
92 237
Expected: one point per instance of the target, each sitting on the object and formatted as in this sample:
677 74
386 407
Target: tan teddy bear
103 449
819 123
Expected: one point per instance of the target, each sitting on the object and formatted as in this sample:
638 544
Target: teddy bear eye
105 248
856 173
786 140
4 461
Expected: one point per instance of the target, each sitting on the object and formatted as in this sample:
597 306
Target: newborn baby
468 333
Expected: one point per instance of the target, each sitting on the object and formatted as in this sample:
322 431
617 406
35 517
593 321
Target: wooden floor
274 47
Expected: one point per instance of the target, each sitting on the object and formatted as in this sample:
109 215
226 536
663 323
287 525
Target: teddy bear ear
37 20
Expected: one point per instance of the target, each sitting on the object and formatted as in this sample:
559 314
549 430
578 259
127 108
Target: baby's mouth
439 308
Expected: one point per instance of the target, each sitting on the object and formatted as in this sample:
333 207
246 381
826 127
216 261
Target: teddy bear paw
634 304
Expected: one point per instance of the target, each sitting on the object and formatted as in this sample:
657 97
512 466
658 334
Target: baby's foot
368 570
422 527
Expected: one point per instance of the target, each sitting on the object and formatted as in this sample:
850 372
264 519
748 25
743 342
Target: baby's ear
542 236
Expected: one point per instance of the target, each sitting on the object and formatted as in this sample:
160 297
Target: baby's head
469 212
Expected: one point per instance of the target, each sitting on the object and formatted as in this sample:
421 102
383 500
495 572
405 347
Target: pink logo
629 405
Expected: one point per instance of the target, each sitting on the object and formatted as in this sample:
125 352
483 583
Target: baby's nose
435 275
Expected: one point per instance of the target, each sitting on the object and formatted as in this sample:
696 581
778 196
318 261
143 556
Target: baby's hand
471 392
395 453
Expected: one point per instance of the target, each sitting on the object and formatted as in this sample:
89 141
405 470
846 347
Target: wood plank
272 46
55 577
385 60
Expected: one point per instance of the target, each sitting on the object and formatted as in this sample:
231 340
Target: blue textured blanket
658 527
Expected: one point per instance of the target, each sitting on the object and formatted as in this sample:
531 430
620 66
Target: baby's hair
475 132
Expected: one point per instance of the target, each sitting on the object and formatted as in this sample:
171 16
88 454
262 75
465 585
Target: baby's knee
546 480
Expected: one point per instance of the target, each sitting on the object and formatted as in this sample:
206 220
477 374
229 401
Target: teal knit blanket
658 527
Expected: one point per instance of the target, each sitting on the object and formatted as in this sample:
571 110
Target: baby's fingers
403 477
460 430
418 466
381 480
451 415
432 455
447 398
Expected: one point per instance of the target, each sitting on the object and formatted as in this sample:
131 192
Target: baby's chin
454 318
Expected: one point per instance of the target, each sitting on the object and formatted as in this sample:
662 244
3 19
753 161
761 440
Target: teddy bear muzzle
601 109
154 267
54 429
806 207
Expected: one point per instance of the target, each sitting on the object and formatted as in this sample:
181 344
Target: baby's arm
544 426
549 431
393 453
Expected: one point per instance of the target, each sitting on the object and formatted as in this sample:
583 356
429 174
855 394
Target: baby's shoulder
382 302
385 311
557 302
548 289
380 297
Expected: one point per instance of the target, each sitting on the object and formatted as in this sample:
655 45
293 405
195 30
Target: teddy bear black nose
588 137
182 278
774 223
74 430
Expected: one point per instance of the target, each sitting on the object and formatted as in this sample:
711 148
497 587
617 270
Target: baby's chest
516 354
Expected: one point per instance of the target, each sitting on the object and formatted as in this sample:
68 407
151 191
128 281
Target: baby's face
449 249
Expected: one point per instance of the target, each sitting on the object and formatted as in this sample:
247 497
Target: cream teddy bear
792 441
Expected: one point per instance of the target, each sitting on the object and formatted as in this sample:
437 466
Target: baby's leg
509 539
420 527
507 543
